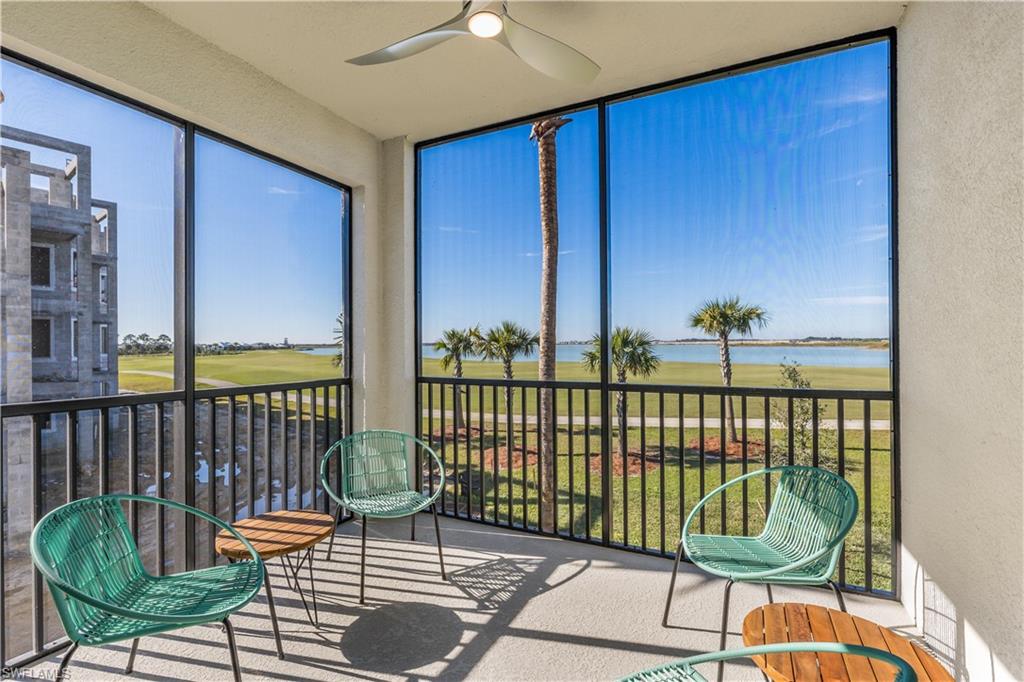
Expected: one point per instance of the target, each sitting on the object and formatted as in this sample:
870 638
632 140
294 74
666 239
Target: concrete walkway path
215 383
654 422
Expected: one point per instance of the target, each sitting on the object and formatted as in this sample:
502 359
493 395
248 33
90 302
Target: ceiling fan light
485 24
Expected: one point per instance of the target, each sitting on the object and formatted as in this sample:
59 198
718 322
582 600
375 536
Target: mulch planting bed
634 459
733 451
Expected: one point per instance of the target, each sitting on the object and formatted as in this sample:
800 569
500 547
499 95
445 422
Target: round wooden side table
281 534
792 622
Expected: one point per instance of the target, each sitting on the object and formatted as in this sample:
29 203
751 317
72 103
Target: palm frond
633 352
726 316
456 344
507 341
592 357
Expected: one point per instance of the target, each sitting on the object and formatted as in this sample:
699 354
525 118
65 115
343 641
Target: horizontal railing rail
774 392
11 410
518 383
255 448
629 478
266 388
127 399
771 392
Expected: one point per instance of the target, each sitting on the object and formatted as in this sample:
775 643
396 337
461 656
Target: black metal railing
628 479
254 449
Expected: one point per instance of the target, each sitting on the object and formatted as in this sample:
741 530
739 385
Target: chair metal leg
362 566
412 533
235 669
337 520
312 587
769 588
286 565
273 612
314 616
131 657
672 584
65 661
437 532
725 629
839 596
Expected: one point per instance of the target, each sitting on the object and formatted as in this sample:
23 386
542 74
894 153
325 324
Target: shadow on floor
495 582
399 637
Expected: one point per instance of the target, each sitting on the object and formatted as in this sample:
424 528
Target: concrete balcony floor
517 607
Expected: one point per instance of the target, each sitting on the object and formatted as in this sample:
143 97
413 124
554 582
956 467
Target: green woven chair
85 552
684 671
812 511
375 483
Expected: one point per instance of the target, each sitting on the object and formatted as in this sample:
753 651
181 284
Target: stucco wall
398 288
960 117
137 52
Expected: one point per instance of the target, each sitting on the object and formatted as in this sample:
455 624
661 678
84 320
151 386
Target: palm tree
632 353
720 318
339 340
456 344
504 343
544 133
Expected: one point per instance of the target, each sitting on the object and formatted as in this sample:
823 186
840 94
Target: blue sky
267 238
772 185
269 260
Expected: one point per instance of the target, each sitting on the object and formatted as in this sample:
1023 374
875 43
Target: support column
391 386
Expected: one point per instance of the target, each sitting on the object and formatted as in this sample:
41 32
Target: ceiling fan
490 19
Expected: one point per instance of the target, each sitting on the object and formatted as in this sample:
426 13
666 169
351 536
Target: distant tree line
144 344
232 347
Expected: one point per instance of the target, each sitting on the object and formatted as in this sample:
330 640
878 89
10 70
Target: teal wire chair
683 670
812 511
375 483
103 593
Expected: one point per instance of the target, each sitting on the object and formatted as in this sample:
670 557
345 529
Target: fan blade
418 43
549 56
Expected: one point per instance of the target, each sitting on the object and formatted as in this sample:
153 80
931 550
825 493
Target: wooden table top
277 533
782 623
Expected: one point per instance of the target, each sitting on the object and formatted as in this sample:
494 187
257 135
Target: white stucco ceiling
468 82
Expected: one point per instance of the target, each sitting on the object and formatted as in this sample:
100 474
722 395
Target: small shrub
803 423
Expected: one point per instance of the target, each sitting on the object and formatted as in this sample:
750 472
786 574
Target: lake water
318 351
828 356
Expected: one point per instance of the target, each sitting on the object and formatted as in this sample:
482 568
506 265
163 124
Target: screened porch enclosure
720 348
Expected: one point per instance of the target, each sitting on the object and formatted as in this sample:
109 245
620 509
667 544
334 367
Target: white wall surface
960 112
398 287
137 52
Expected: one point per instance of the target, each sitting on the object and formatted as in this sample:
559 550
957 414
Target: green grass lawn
274 366
687 373
677 480
638 517
278 366
144 383
252 367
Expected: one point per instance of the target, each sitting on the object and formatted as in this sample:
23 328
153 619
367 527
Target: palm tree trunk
508 389
620 413
544 132
457 394
726 362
